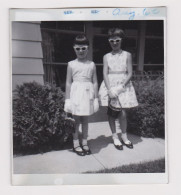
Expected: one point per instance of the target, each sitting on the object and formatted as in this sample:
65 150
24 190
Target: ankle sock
76 143
116 139
84 142
115 136
125 139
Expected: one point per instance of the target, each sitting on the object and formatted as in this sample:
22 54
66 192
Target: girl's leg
84 120
76 134
123 126
113 130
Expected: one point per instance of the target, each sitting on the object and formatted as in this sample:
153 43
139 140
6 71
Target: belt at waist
117 72
81 80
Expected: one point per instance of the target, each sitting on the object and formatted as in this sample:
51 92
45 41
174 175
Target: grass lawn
157 166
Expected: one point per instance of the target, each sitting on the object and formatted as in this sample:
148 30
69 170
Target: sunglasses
114 40
81 48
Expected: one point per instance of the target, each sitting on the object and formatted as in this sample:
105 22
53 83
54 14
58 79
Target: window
58 39
154 28
154 44
154 51
57 44
100 48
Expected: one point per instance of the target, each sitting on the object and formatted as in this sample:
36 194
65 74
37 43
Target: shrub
38 118
148 118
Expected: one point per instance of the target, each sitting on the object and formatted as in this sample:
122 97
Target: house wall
27 64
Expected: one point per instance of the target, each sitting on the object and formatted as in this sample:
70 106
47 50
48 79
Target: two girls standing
116 90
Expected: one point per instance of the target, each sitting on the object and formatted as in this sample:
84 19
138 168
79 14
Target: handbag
114 107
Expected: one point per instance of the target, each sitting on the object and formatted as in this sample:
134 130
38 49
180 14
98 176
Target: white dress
117 66
82 90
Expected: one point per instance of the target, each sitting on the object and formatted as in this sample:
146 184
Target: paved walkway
104 155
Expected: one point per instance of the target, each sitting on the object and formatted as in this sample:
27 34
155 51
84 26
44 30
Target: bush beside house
148 118
38 118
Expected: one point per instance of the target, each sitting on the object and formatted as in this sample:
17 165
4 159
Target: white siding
27 65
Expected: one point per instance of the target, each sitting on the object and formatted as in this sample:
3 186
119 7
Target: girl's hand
112 93
123 85
68 106
96 105
119 89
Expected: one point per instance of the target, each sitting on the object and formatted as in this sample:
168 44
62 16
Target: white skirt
82 98
127 98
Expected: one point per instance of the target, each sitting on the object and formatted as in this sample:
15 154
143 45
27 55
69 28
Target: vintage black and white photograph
88 96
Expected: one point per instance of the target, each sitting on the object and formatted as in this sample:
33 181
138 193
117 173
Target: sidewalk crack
99 161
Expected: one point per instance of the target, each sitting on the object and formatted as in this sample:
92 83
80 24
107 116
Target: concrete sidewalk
104 155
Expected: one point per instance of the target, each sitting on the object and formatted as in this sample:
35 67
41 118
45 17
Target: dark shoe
130 145
119 147
86 151
80 153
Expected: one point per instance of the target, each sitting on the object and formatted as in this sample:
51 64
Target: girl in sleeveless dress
81 98
117 91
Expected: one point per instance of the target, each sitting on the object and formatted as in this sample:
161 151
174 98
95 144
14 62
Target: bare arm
105 73
95 82
68 82
130 69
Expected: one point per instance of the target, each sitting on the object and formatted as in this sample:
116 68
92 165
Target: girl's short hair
116 32
81 40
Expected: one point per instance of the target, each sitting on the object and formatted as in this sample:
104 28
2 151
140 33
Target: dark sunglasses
81 48
114 40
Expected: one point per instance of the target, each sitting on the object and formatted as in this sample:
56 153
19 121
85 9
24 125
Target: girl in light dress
81 98
117 91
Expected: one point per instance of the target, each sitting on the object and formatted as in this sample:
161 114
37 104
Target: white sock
84 142
114 136
125 139
116 139
76 143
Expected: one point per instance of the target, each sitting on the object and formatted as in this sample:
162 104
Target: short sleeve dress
118 72
82 90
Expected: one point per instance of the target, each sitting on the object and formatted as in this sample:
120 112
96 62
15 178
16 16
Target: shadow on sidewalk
102 141
99 143
135 139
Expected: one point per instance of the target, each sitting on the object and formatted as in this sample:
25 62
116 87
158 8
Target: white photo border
94 14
